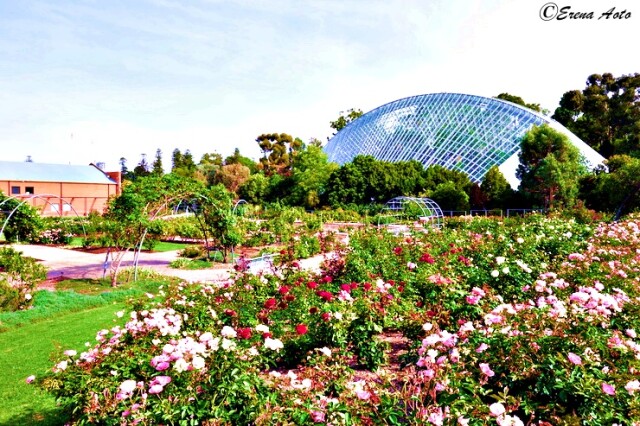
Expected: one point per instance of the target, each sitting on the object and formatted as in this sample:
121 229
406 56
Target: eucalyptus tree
605 114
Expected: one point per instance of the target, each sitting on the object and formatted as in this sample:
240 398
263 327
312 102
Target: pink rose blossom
486 370
318 416
155 389
608 389
575 359
483 347
30 379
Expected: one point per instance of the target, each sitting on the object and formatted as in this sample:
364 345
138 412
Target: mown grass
32 349
31 341
160 246
76 295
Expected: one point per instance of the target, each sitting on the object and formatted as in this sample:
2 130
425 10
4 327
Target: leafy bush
19 277
192 251
531 321
24 224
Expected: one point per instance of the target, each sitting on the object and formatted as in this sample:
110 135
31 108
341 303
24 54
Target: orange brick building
59 189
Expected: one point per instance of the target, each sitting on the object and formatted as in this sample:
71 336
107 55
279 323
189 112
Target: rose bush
510 322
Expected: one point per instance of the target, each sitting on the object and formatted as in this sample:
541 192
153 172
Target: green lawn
31 341
160 246
31 349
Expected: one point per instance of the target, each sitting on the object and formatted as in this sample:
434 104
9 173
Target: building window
29 190
15 190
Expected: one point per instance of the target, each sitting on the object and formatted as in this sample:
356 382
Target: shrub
19 277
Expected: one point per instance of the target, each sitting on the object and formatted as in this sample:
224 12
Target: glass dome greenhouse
457 131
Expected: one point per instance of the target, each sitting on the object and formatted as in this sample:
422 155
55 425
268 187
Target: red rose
326 316
312 284
284 289
270 303
325 295
301 329
244 332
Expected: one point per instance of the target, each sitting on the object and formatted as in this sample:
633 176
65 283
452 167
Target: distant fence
452 213
522 212
492 212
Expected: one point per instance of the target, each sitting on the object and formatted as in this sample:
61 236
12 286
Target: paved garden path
69 263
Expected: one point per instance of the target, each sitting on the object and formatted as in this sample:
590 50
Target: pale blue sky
93 80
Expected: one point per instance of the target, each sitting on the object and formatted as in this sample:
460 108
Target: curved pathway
69 263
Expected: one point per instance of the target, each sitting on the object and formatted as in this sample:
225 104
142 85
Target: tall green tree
157 169
278 151
550 167
496 188
237 158
143 168
518 100
345 118
255 190
605 114
614 188
450 197
183 164
311 170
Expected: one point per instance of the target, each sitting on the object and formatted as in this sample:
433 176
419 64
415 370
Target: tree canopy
549 167
345 118
605 114
518 100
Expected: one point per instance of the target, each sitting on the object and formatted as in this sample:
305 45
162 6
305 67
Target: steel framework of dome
457 131
422 211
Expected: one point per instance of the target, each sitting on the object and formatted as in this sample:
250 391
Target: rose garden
484 321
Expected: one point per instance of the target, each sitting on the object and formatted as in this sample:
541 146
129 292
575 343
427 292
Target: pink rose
575 359
608 389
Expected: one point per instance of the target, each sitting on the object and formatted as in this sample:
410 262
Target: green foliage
182 164
549 168
25 224
255 189
615 188
279 150
217 219
19 277
192 252
496 188
310 174
449 197
345 118
518 100
604 114
536 315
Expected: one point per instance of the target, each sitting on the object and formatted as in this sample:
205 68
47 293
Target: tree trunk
115 266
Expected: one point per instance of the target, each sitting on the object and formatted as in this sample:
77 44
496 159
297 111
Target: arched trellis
422 211
190 200
44 197
238 203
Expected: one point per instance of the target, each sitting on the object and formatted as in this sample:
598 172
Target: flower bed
530 322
